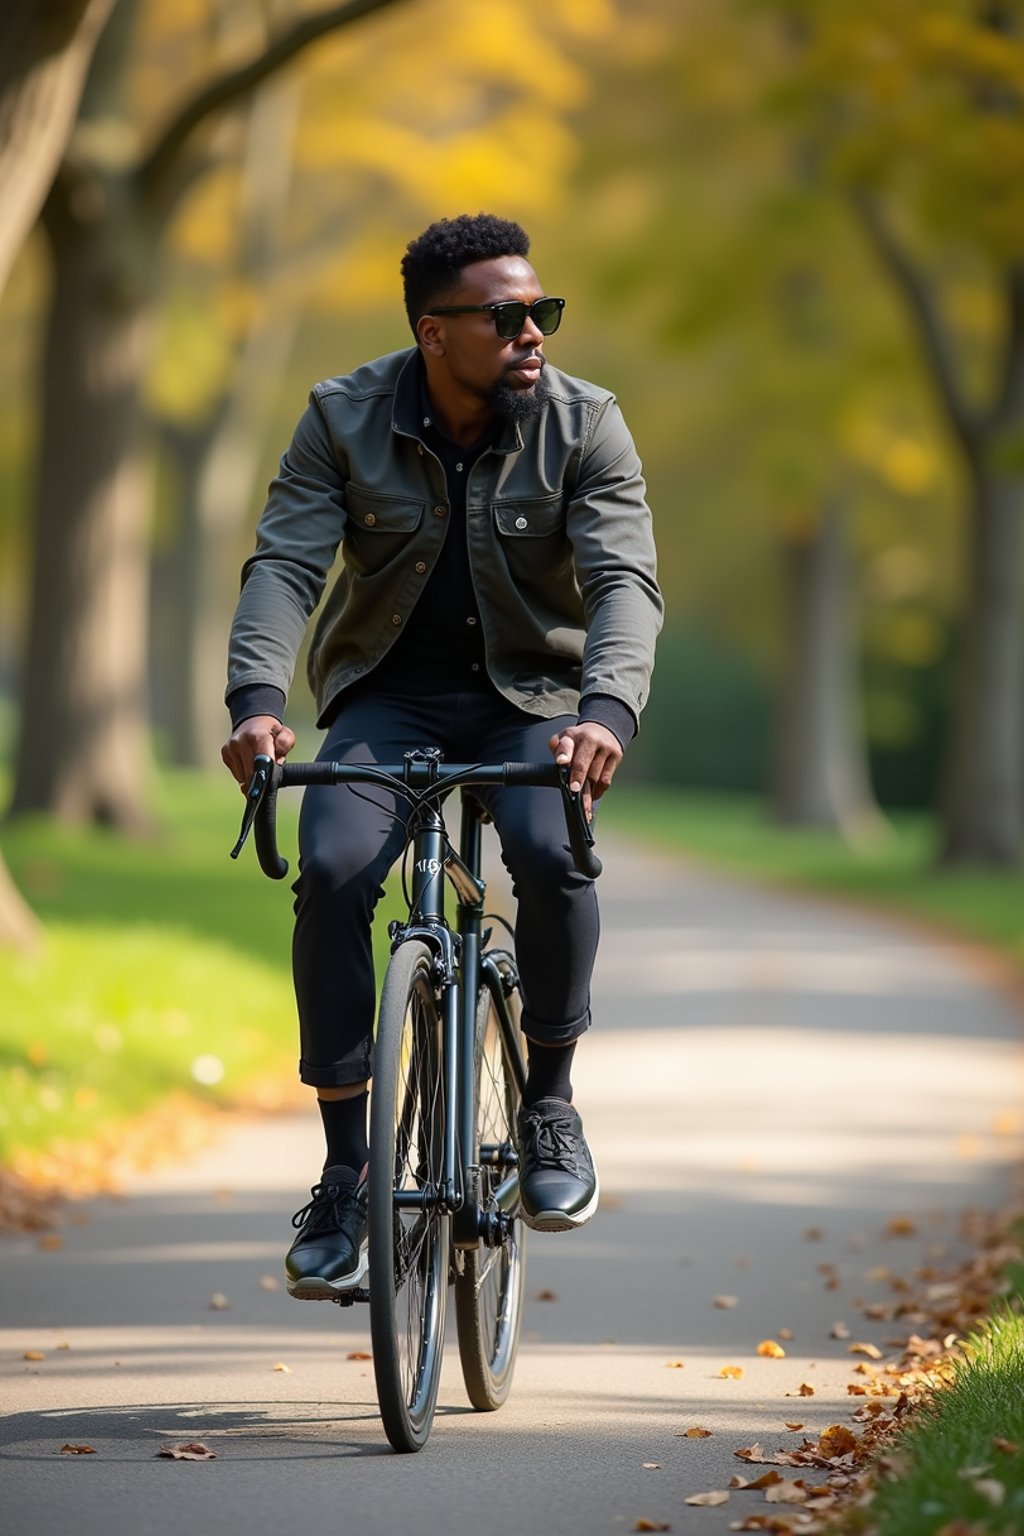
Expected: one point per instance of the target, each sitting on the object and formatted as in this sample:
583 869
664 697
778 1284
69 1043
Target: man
497 600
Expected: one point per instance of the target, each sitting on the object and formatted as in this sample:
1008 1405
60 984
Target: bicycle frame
460 965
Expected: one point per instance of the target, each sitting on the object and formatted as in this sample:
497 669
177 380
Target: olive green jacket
558 533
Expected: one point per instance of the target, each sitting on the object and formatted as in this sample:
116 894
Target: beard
517 406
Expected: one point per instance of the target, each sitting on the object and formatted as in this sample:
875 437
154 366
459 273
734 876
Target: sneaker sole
562 1221
316 1288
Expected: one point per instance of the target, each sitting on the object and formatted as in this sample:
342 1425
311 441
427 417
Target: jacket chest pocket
378 528
542 518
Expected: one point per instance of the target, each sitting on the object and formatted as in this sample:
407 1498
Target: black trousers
349 839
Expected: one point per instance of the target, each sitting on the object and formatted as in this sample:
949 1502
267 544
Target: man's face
504 373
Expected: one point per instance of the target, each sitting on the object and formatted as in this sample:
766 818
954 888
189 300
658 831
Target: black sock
548 1072
345 1129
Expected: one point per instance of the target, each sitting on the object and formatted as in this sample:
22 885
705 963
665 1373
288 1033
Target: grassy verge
959 1465
898 872
163 977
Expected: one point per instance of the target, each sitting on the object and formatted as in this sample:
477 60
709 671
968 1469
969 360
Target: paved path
763 1067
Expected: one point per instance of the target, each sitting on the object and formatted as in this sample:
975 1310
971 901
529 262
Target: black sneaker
329 1254
557 1180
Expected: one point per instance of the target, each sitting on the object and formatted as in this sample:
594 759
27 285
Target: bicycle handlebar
416 780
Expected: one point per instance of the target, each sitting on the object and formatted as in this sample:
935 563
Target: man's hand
593 753
260 733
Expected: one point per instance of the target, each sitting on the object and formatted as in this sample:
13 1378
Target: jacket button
440 511
521 523
369 519
396 618
421 566
419 449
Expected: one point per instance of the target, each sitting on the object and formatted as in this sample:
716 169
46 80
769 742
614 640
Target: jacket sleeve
609 526
296 541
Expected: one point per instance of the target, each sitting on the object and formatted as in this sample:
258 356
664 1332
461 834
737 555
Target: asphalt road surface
769 1084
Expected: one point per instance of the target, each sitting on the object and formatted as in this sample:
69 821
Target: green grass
950 1466
898 872
164 968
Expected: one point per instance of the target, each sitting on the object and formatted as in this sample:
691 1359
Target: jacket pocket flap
526 519
382 514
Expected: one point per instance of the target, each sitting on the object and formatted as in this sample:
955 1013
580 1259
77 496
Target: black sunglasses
510 317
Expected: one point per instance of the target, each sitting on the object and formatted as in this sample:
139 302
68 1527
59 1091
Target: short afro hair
434 260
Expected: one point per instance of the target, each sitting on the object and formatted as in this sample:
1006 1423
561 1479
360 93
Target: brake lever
260 783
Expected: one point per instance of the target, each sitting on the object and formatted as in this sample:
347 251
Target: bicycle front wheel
489 1290
408 1242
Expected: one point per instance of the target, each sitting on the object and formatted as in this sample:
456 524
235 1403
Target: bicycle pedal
347 1298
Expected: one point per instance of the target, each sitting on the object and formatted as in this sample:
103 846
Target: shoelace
327 1210
552 1141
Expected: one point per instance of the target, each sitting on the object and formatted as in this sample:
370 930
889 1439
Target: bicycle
443 1182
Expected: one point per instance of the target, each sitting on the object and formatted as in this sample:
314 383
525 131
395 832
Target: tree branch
156 169
917 296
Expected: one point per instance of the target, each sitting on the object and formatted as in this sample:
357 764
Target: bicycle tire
489 1290
408 1248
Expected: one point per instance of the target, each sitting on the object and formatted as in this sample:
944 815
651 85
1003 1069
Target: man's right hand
260 733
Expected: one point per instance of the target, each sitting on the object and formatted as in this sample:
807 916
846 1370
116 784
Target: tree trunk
45 50
83 747
821 771
18 927
982 822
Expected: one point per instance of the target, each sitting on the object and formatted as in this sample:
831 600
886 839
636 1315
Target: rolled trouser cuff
554 1034
354 1068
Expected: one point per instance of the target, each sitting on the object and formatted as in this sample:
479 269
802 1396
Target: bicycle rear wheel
408 1246
489 1291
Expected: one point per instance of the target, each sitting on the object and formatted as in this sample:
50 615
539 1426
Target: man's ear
430 335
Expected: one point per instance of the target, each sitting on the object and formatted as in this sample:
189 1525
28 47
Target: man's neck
460 416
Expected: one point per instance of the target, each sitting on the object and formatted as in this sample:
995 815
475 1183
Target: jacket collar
407 412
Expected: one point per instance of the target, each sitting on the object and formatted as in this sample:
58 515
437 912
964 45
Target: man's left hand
593 753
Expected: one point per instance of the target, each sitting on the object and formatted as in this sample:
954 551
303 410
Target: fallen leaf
280 1366
732 1372
33 1354
900 1226
546 1296
269 1283
837 1440
785 1492
709 1500
750 1453
813 1234
839 1331
51 1242
358 1354
804 1390
64 1345
727 1303
696 1433
218 1302
770 1350
652 1525
675 1365
192 1450
785 1333
78 1450
992 1491
766 1480
871 1350
793 1426
1008 1447
652 1466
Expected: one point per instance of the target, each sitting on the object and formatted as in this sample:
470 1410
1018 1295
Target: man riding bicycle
497 600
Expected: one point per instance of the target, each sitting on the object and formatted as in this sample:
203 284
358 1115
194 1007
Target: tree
45 51
920 110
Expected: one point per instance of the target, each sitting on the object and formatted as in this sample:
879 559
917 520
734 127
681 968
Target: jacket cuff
602 709
255 699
